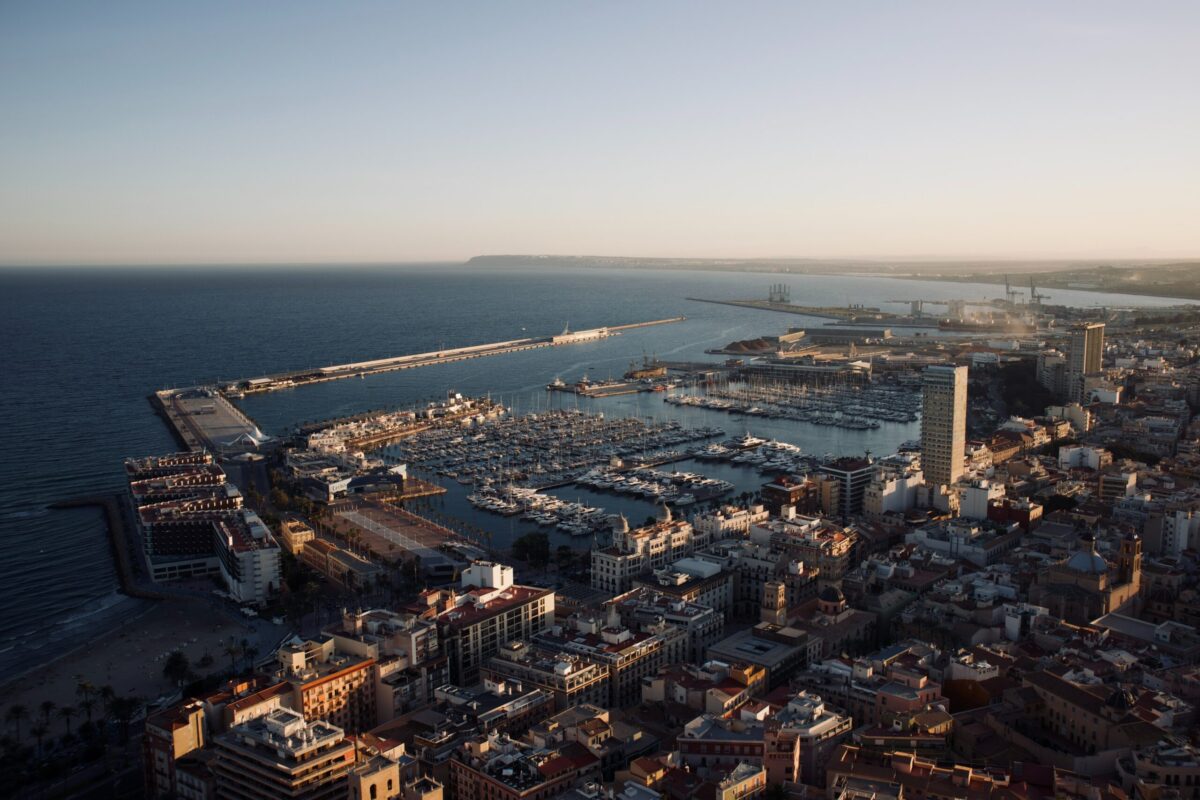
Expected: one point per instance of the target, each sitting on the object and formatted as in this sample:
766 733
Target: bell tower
1130 561
774 603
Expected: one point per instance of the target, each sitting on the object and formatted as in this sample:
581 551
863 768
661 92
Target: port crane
1010 294
1035 297
779 293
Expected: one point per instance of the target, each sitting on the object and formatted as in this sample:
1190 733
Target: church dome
665 514
621 525
1088 562
831 594
1121 699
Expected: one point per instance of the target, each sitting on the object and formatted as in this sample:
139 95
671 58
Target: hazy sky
297 131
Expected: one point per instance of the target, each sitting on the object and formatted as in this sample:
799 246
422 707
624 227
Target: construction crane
1010 293
1035 297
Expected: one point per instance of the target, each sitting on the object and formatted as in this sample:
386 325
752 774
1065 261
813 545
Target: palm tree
66 713
107 695
17 713
38 732
87 704
233 651
47 707
124 709
177 667
85 689
251 653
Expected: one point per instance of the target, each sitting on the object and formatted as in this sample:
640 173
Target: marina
843 406
764 455
677 488
543 449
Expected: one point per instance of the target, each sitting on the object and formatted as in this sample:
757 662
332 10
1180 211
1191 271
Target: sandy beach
130 659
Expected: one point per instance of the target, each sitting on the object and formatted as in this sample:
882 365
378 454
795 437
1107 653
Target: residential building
330 685
852 476
628 656
801 494
1171 766
247 557
495 767
818 728
407 650
644 607
641 550
191 524
282 755
893 490
713 745
567 677
980 544
488 611
727 522
170 736
974 498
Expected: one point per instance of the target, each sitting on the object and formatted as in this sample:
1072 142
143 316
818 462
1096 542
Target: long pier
828 312
287 380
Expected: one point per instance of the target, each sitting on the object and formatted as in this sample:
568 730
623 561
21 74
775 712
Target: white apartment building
892 491
248 557
639 551
974 498
726 522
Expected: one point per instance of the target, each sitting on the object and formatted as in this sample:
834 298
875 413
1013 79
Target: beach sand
130 659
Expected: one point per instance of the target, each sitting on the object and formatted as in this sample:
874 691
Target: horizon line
814 260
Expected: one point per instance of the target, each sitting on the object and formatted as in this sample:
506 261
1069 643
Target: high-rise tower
943 423
1084 357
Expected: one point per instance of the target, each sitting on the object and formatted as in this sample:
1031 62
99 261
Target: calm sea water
85 347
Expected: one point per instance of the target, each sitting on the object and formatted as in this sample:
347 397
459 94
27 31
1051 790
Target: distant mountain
1165 278
719 264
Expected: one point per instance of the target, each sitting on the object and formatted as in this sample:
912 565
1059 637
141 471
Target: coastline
109 628
118 542
132 603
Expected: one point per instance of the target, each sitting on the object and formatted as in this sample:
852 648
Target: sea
85 347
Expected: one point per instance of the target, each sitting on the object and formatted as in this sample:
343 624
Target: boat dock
204 419
586 388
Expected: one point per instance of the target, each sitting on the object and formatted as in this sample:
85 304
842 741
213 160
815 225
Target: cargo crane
1035 297
1010 293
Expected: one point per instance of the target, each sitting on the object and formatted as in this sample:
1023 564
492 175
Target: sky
166 132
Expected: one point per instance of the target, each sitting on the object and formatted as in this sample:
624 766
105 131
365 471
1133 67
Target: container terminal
1008 315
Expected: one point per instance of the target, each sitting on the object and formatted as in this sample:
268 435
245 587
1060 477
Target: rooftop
286 733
